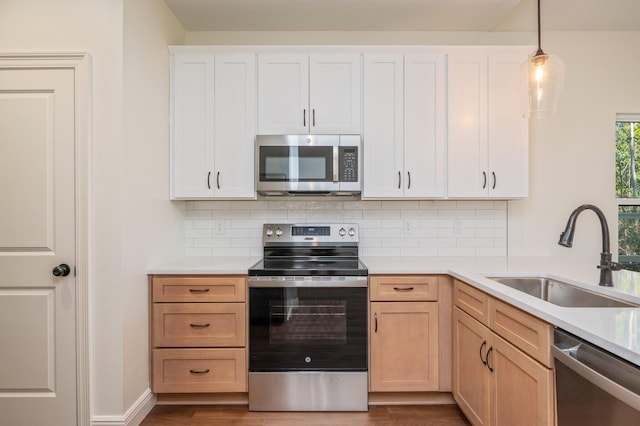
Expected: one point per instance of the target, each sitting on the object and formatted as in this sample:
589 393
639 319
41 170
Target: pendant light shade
545 78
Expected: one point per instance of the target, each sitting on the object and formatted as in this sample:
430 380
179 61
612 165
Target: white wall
572 154
150 223
131 220
94 27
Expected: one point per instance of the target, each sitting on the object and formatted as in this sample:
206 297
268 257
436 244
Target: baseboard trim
133 416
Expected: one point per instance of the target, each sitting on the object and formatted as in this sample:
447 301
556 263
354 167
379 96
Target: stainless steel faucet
607 266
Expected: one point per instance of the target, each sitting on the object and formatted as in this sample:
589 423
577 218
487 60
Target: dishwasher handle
601 381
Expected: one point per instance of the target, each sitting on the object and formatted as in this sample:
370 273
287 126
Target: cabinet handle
487 359
209 180
199 371
218 180
375 321
494 180
198 290
484 176
200 325
409 179
313 113
399 179
304 117
403 288
484 343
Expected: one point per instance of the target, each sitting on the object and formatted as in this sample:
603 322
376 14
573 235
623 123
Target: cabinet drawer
403 288
199 370
472 301
526 332
176 288
197 324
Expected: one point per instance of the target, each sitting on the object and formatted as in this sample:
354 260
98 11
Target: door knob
62 270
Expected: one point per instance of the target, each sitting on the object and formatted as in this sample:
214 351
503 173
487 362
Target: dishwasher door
594 387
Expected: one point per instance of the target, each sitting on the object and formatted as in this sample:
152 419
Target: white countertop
614 329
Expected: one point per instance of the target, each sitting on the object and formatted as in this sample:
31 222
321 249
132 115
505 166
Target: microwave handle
336 164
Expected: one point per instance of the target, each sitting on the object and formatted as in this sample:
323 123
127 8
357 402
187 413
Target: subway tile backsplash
387 228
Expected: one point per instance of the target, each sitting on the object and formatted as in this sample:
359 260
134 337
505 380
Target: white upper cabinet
487 135
424 125
383 134
301 94
235 126
213 124
404 119
192 86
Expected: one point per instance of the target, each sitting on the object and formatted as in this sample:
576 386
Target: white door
37 233
508 129
235 126
192 109
467 144
334 93
383 128
283 94
424 125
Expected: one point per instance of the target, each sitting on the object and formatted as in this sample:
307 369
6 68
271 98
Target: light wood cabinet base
411 398
239 398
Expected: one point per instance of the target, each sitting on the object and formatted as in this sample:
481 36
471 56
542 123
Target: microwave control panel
348 164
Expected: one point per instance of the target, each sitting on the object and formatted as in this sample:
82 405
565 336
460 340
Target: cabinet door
467 130
334 93
522 389
404 347
235 126
471 378
283 94
424 126
383 128
192 137
508 129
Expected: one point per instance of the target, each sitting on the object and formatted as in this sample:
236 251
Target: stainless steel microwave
308 165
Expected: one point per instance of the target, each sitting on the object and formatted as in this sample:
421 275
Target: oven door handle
307 281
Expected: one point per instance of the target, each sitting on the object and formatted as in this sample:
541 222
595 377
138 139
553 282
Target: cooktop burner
318 250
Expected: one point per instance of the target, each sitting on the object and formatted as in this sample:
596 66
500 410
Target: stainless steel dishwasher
594 387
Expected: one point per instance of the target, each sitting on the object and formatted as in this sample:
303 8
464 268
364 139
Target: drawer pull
198 290
403 288
199 371
200 325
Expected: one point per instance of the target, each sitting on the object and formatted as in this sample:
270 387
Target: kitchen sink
561 293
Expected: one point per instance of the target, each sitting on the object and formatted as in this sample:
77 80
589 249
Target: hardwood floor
395 415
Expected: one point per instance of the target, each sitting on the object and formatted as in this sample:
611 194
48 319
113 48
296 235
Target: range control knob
342 232
268 232
352 232
278 232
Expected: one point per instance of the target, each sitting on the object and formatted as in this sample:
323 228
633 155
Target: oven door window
296 164
307 329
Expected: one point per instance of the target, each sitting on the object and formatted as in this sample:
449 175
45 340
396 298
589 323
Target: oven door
297 163
308 328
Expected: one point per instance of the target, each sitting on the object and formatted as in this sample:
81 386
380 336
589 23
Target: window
628 189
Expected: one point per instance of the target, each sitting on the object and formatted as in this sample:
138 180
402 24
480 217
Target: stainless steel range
308 320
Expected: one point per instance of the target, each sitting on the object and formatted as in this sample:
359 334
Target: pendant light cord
539 52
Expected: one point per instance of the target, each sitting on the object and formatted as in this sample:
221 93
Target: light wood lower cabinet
498 381
409 333
404 346
198 334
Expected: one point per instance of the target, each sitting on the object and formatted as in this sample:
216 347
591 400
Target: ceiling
405 15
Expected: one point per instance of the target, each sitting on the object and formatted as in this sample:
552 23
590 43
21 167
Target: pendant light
545 77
